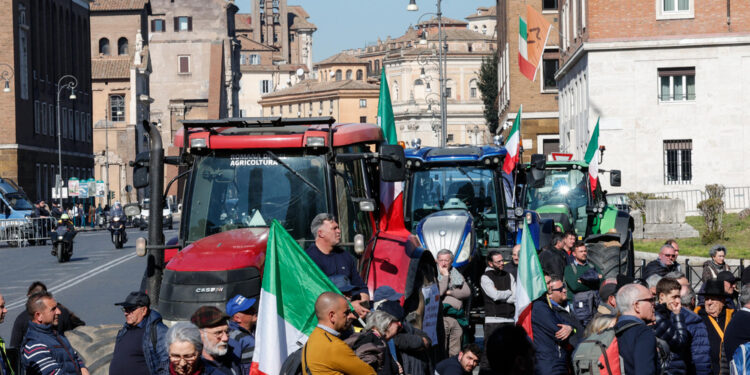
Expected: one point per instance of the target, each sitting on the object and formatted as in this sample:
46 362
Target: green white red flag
530 283
592 157
513 144
532 38
386 121
286 314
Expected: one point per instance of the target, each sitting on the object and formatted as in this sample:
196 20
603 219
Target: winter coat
552 355
157 357
45 352
373 350
637 347
67 321
243 343
656 267
670 328
719 363
738 332
413 356
553 262
711 270
567 317
700 348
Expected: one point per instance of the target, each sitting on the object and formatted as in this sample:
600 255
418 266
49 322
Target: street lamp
60 87
442 67
6 75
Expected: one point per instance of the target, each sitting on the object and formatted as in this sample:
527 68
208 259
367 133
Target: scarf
456 278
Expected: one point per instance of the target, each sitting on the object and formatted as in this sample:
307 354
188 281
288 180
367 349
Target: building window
363 119
158 26
183 64
676 84
549 4
183 23
44 118
450 137
254 59
362 103
51 121
265 86
122 46
271 110
349 74
330 106
117 108
291 37
473 88
448 92
290 109
678 166
550 64
104 46
37 127
675 9
281 109
359 75
675 5
484 31
338 75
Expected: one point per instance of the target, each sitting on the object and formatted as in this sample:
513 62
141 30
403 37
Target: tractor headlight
518 211
465 252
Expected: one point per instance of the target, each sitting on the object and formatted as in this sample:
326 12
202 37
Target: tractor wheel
610 257
95 344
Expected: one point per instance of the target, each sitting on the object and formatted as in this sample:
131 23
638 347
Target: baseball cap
607 290
385 292
135 299
239 303
342 283
208 317
727 276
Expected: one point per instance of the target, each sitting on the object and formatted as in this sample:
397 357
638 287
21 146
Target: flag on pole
532 38
592 157
513 144
286 314
385 112
530 284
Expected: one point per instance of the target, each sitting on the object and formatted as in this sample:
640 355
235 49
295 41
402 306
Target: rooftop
310 86
117 5
484 12
111 68
342 58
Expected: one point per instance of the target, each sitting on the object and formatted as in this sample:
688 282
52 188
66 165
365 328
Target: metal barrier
735 198
23 232
694 273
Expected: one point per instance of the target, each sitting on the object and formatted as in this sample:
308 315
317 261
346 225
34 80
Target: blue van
14 204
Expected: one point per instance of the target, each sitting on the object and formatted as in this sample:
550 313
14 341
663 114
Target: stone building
120 87
40 43
539 126
666 79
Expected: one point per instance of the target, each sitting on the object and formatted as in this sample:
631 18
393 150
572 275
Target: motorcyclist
65 221
117 210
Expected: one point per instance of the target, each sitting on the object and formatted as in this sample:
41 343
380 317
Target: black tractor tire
95 344
610 257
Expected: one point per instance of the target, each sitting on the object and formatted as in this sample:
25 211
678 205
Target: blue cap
239 303
386 293
342 283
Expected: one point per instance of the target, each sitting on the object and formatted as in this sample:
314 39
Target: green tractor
560 190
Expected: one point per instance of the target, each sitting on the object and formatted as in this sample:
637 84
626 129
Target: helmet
64 217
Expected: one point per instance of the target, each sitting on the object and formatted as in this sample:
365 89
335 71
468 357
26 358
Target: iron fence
23 232
735 198
693 272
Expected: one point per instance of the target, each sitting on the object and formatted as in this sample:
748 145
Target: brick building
539 129
40 42
667 78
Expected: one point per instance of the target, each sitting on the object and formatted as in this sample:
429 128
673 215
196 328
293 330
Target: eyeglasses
651 300
187 358
128 310
560 289
218 334
670 255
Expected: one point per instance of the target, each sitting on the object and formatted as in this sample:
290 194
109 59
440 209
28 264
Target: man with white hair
664 264
218 356
453 290
636 341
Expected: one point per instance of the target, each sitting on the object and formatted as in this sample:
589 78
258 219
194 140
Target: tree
488 87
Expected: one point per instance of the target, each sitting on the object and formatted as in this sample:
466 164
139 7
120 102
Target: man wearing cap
139 347
716 317
729 281
218 356
607 295
243 315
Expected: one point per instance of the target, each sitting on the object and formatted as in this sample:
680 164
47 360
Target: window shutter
190 23
184 64
153 25
177 24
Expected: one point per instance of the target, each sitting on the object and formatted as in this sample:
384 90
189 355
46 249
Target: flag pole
520 155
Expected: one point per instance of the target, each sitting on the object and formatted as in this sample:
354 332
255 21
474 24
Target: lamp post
70 85
442 68
6 75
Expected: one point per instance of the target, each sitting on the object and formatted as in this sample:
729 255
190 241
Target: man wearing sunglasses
636 341
552 331
139 347
664 264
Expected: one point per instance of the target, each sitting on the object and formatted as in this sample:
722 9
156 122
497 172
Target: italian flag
592 157
391 193
286 314
513 144
530 283
532 38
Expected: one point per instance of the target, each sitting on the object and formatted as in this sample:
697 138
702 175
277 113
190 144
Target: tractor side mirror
392 163
538 161
140 170
615 177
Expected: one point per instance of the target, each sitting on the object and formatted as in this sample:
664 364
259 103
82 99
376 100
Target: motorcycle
62 243
117 231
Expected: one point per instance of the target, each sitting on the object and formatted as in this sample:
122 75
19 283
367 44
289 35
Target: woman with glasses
714 266
371 346
185 346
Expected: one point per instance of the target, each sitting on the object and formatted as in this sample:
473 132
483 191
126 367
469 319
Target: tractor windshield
242 190
565 192
464 187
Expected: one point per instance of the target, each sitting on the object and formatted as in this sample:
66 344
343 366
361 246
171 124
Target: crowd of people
80 214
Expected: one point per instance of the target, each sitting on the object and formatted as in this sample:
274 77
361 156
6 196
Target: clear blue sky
344 24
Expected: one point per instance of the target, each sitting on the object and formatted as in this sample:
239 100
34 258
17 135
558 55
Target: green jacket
573 272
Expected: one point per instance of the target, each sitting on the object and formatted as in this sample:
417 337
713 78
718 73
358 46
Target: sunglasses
128 310
670 255
560 289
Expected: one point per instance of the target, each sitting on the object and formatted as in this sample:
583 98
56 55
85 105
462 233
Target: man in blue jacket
550 331
44 350
636 341
140 347
738 330
243 315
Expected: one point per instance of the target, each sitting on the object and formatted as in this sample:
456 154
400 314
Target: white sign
247 160
431 295
64 193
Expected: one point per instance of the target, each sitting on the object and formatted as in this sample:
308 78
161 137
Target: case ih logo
209 290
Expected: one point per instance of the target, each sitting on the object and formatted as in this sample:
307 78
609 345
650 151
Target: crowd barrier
26 232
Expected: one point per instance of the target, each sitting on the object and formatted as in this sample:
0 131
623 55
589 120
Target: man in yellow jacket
324 352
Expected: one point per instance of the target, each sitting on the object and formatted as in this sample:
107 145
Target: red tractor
241 173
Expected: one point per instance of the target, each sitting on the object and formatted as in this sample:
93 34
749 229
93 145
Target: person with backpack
737 334
716 317
582 279
636 341
670 327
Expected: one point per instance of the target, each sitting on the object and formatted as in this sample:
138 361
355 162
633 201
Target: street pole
106 149
71 85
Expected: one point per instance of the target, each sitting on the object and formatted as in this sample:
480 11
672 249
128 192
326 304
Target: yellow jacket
326 354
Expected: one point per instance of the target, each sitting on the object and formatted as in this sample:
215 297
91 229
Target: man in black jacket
738 330
636 341
662 265
554 258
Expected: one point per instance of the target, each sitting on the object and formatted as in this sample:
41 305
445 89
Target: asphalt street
97 276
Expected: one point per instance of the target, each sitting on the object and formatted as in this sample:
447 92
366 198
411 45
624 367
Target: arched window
377 66
122 46
338 75
104 46
359 75
418 82
349 74
473 88
395 90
